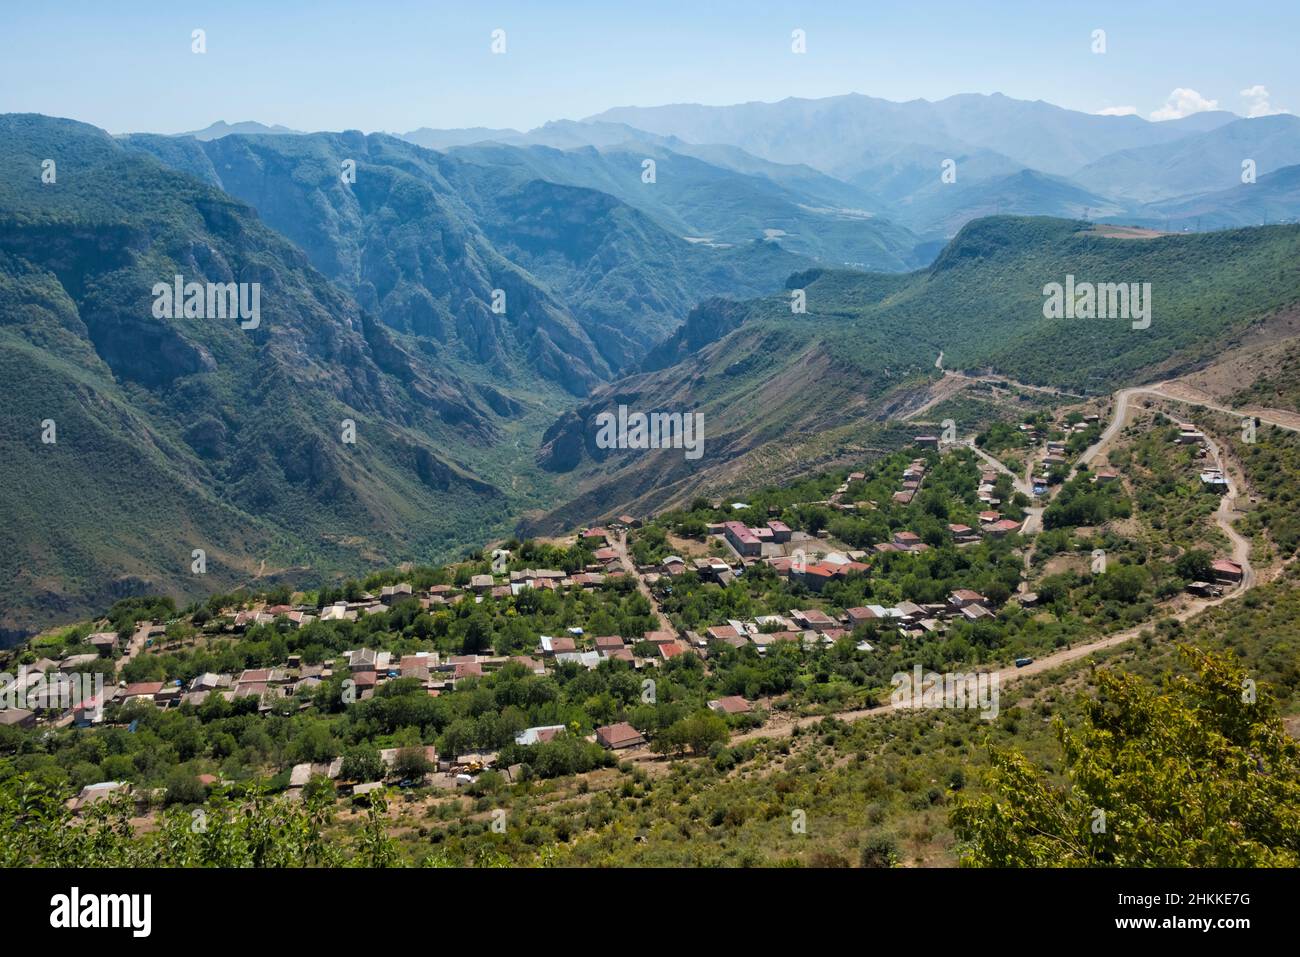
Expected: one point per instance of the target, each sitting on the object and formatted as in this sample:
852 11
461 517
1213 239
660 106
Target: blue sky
399 65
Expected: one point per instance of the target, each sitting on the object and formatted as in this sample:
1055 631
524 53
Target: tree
1193 566
879 851
1122 583
698 732
412 763
362 763
184 788
1199 773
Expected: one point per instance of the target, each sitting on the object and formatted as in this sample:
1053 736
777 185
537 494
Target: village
731 552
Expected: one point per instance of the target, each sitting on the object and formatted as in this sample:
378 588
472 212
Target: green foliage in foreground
1199 773
38 830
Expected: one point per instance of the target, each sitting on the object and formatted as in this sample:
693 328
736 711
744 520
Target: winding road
1223 516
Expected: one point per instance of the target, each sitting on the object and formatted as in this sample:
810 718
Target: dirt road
1223 516
624 559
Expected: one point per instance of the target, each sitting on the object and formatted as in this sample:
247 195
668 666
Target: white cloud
1118 111
1183 102
1257 103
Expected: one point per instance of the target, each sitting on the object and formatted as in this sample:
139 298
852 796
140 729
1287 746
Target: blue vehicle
1021 662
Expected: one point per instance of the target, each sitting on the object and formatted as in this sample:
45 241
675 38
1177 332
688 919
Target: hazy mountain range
468 299
857 155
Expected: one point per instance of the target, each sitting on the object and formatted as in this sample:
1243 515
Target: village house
964 597
17 718
723 633
539 735
336 612
857 616
556 645
615 737
141 691
585 659
1226 571
104 643
94 793
671 649
732 704
813 618
963 534
72 662
674 565
1003 526
1214 480
209 681
744 541
907 540
606 644
530 664
391 594
414 666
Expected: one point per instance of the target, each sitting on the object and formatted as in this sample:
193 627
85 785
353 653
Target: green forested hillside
764 375
177 434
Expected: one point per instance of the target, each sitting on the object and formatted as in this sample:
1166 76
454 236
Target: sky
396 65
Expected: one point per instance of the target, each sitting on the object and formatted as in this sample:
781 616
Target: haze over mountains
882 159
666 284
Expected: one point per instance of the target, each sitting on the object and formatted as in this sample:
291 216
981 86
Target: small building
17 718
1226 571
732 704
390 594
104 643
744 541
141 691
615 737
608 644
539 735
557 645
964 597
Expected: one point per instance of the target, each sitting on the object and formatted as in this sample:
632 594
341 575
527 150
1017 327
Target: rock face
478 253
180 433
705 324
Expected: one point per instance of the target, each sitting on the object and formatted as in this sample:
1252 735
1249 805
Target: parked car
1021 662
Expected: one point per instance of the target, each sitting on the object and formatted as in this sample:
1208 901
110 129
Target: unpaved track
620 546
1223 516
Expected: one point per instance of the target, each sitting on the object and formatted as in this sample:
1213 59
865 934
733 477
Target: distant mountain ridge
246 127
891 155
